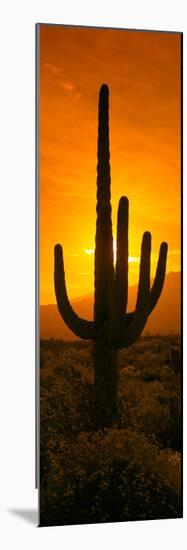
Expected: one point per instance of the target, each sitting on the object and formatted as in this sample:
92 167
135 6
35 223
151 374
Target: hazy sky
142 70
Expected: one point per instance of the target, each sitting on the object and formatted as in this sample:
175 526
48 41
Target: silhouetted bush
130 471
114 475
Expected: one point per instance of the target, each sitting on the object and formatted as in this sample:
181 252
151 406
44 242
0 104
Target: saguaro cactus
175 358
112 327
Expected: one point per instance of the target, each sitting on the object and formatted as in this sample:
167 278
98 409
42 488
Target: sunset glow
142 70
131 259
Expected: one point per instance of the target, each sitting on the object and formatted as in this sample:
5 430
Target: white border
17 268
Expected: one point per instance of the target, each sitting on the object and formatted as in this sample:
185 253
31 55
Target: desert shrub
114 475
152 408
74 355
126 357
156 372
131 471
63 413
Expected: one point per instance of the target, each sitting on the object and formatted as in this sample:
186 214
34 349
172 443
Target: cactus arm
120 284
121 275
157 285
159 277
138 319
80 327
144 278
135 321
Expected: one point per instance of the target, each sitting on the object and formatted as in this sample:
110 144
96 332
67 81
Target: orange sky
142 70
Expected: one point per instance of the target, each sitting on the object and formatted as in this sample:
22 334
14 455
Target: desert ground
130 471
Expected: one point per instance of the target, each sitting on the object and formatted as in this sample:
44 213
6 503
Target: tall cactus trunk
105 356
105 364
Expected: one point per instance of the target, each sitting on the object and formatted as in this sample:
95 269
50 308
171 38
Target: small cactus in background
112 328
175 358
42 362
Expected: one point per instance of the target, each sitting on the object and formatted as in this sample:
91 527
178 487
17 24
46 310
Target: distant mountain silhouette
164 319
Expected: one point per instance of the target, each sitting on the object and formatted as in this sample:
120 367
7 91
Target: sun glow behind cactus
131 259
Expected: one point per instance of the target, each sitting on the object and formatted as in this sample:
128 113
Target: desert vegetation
128 471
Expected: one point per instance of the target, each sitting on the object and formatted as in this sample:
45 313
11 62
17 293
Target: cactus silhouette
112 327
175 358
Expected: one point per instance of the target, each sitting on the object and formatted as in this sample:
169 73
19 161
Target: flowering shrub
131 471
115 475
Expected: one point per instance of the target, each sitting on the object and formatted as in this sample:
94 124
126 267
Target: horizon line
90 294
